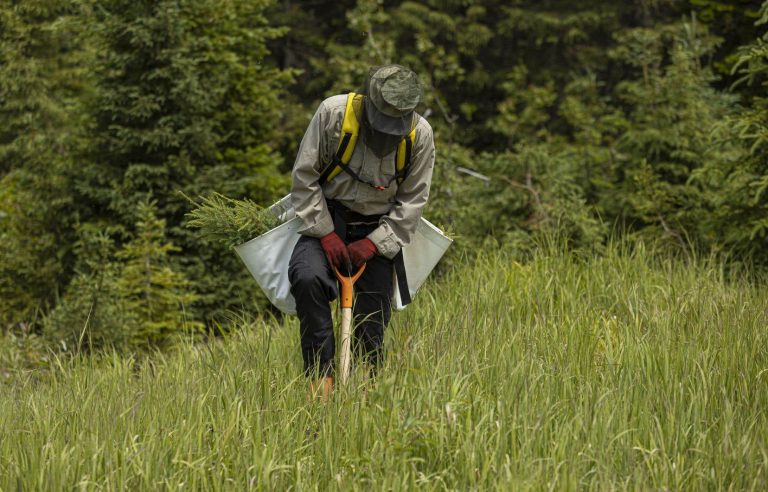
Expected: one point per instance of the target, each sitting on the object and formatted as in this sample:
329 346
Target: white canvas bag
267 257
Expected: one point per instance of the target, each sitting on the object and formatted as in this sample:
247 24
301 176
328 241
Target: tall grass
618 372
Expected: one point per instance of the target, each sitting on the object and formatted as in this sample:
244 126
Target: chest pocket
377 177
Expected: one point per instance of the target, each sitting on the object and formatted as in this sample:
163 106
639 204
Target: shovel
347 295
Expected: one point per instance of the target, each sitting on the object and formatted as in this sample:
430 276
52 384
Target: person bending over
359 198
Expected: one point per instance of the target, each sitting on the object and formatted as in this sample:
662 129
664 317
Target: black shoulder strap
402 279
336 159
401 175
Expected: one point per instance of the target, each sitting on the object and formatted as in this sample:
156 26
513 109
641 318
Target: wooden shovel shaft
346 343
346 298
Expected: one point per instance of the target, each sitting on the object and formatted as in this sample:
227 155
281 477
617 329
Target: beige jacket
402 204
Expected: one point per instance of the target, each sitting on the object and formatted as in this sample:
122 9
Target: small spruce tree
158 297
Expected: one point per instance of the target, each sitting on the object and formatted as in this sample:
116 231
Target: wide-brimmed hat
393 93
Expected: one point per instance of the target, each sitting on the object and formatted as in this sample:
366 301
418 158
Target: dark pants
314 286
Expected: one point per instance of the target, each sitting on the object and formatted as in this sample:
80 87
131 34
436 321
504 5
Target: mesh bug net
383 126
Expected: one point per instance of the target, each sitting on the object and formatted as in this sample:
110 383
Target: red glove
361 251
335 250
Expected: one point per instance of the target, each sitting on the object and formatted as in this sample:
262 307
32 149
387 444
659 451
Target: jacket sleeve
397 227
306 194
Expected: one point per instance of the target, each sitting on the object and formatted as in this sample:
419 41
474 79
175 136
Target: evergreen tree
159 298
40 82
92 314
737 184
733 21
127 299
184 104
672 111
43 82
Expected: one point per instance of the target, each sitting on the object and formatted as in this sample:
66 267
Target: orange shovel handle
347 292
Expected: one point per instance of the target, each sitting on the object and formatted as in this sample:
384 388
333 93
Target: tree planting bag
267 257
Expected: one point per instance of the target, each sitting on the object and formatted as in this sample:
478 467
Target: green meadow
619 372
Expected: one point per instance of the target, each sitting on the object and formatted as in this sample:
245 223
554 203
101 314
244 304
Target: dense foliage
587 119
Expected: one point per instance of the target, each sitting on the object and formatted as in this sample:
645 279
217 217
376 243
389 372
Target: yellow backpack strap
350 129
403 158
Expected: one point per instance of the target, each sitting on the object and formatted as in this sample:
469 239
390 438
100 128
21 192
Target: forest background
643 119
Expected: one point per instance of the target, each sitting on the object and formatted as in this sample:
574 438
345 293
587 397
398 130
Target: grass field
619 372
